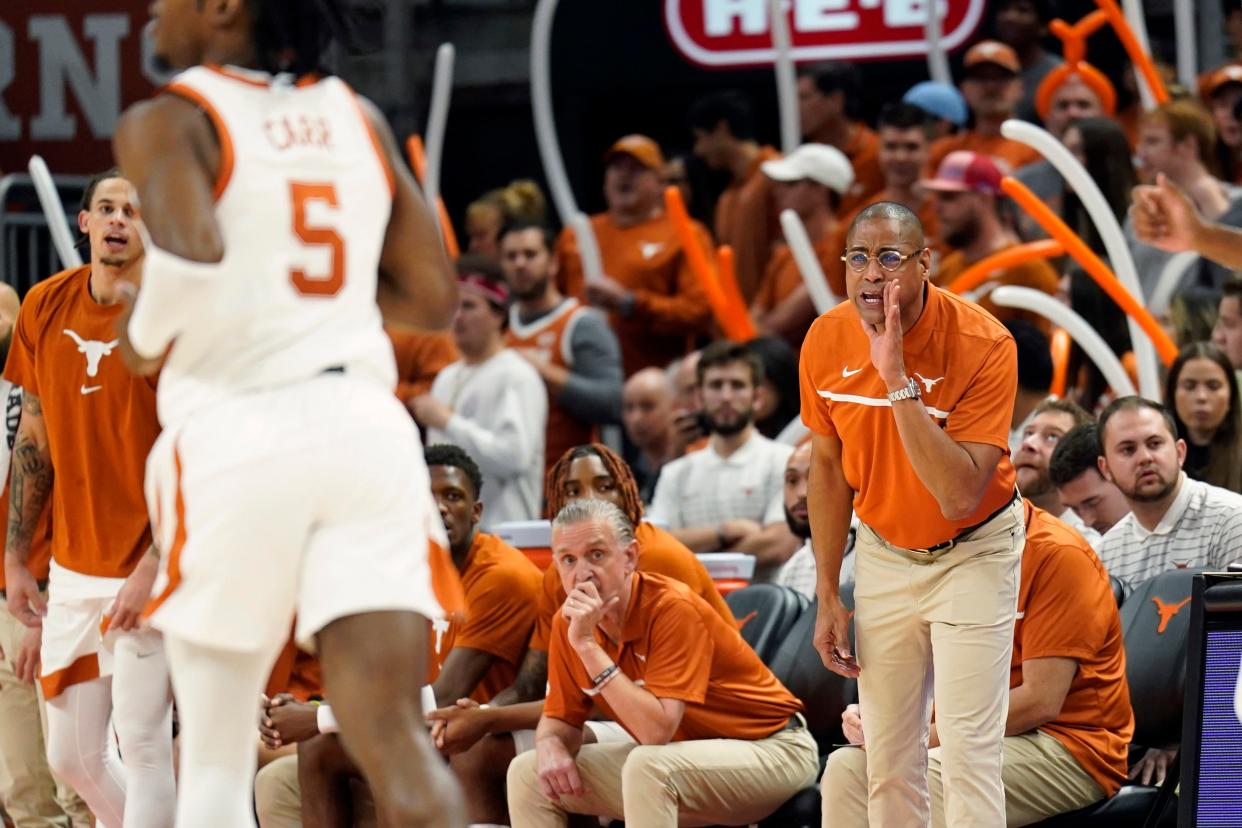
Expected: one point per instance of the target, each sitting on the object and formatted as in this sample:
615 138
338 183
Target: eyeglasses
890 260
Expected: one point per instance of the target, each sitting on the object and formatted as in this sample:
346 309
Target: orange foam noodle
726 273
1095 267
701 267
979 272
415 151
1140 58
1061 342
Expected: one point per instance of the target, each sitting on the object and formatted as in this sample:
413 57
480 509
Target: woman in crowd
1202 392
1100 145
487 215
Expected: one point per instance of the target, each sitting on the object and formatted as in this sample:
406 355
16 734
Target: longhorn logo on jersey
95 351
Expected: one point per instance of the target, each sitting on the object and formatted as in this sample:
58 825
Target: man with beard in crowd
727 495
572 348
798 573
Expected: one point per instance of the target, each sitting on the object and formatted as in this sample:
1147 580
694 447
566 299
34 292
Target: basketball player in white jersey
288 475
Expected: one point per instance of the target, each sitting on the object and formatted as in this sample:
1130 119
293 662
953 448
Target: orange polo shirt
1066 610
970 362
783 277
1008 154
670 308
680 648
746 218
1037 274
863 151
658 552
420 356
297 673
501 586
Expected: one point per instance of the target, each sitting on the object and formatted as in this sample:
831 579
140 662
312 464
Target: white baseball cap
819 162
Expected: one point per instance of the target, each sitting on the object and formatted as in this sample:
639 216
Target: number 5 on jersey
301 194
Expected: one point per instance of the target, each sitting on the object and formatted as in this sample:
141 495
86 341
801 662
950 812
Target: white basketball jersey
302 201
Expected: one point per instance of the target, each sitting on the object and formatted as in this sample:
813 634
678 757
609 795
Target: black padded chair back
1155 619
1119 590
767 613
823 693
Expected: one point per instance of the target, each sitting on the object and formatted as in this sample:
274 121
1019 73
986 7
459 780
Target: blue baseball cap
941 100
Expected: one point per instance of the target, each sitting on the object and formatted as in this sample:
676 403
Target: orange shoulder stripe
225 173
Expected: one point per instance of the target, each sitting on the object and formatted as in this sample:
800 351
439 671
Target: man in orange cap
653 300
992 87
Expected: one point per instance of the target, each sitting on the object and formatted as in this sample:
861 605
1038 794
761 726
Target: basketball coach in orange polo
909 391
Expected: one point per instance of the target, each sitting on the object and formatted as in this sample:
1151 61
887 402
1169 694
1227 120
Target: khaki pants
939 625
33 797
1041 780
277 794
708 782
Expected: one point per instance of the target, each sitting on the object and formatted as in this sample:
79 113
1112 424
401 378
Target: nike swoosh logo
846 372
91 389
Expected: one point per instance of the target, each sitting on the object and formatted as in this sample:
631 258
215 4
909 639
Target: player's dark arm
531 681
464 668
30 483
417 286
829 501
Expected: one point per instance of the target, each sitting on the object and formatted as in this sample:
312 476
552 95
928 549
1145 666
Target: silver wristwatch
910 391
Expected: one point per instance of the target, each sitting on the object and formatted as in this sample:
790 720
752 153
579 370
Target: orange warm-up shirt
747 219
502 588
1008 154
680 648
782 277
1037 274
970 363
658 552
1066 610
420 356
296 672
863 151
670 308
101 423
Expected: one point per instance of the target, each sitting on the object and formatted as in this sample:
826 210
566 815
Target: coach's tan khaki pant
706 782
33 797
1041 780
941 624
277 794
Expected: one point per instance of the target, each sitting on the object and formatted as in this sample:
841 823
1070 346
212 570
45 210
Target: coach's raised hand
886 341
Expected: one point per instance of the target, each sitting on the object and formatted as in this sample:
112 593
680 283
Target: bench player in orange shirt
590 471
87 425
284 229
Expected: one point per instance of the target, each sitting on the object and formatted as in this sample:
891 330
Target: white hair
586 510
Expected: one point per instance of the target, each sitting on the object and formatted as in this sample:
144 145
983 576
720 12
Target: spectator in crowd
1177 140
654 303
1227 333
1074 469
420 356
829 109
723 126
798 573
689 429
777 405
727 495
1202 391
1174 522
1085 381
491 402
647 413
463 730
1052 420
1069 720
571 346
810 181
684 685
28 790
1072 101
485 217
905 136
1101 147
474 657
943 104
1221 92
967 199
1034 378
1022 25
992 88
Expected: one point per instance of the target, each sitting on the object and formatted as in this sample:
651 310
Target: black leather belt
969 529
795 722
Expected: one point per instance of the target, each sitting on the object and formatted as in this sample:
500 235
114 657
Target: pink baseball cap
966 172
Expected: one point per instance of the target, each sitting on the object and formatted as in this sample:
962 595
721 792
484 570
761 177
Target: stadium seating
767 613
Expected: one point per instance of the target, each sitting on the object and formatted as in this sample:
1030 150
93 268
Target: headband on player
493 292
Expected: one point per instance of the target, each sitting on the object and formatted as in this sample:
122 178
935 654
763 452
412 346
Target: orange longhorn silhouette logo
752 614
1167 611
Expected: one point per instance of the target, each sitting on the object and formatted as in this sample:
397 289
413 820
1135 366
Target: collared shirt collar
917 337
